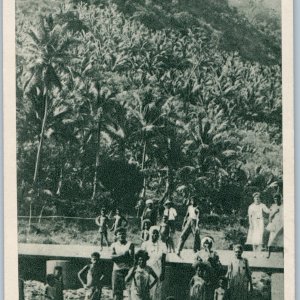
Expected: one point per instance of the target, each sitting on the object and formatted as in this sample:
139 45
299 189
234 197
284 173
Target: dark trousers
190 227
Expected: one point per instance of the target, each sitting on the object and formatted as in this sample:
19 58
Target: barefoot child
208 255
200 285
94 276
239 276
102 222
221 293
58 276
52 289
145 230
140 277
166 234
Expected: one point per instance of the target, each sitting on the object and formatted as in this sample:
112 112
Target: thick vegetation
117 101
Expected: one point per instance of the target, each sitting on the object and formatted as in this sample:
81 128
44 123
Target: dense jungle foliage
128 99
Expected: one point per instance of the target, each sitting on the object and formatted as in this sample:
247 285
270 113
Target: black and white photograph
151 150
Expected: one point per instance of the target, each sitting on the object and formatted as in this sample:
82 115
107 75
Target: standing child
200 285
140 277
221 293
52 290
239 276
145 230
102 222
58 276
119 221
94 276
210 256
165 234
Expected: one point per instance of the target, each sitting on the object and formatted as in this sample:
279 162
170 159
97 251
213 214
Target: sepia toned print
151 154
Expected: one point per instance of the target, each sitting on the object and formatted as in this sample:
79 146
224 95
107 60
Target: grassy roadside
84 232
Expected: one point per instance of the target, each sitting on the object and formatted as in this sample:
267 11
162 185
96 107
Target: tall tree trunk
60 182
41 214
29 221
143 165
170 173
96 163
38 155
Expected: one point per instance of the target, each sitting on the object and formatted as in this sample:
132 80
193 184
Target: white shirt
171 213
193 212
120 249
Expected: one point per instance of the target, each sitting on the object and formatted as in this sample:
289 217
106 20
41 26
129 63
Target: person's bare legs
101 241
105 236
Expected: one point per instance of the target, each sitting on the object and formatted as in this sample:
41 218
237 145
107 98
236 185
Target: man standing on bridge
190 225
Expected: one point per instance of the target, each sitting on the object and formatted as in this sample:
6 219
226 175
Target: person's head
141 258
194 202
95 257
149 203
168 204
50 279
117 211
57 271
120 234
238 250
146 224
154 233
277 199
207 242
165 219
223 282
256 198
103 211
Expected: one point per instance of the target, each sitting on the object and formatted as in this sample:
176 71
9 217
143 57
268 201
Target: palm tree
47 54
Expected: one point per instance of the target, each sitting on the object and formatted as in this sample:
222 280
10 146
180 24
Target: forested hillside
123 100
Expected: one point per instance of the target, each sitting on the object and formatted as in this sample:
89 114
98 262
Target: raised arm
153 274
80 273
191 283
130 274
265 209
215 295
97 220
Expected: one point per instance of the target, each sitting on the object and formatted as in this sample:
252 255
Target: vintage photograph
149 150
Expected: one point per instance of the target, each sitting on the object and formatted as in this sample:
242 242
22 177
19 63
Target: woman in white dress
256 223
157 251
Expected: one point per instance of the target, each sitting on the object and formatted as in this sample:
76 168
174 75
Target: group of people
142 272
257 227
